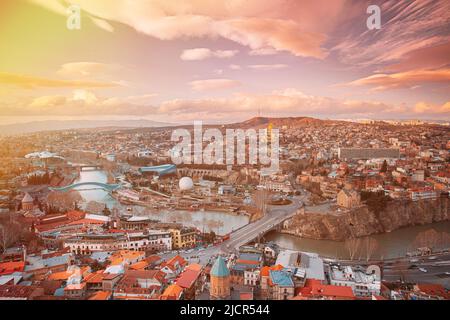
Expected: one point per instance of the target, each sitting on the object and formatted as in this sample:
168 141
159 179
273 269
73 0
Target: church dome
219 269
27 198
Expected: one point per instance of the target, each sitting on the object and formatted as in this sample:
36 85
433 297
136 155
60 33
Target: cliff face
362 222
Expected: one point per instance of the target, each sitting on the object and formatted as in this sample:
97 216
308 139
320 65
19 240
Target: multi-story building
183 238
364 282
422 194
281 285
348 198
88 243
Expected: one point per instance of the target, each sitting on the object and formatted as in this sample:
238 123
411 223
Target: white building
278 186
88 243
251 277
422 194
364 283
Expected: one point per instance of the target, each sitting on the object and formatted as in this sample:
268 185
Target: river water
390 245
97 195
219 222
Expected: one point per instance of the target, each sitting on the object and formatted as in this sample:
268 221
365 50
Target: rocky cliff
362 221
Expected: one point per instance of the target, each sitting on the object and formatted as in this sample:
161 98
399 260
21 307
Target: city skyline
164 61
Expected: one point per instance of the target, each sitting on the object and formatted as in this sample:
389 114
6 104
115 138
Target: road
408 270
244 235
274 216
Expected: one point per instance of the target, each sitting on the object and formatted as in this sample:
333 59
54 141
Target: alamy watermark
73 17
374 20
211 147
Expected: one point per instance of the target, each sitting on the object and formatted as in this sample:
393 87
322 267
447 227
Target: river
390 245
97 195
219 222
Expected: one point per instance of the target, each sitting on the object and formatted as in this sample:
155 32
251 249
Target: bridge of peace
160 170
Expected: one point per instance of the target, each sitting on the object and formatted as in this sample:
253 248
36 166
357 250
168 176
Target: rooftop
220 269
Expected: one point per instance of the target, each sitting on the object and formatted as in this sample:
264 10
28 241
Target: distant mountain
52 125
291 122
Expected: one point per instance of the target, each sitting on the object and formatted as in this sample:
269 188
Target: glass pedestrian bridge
160 170
104 186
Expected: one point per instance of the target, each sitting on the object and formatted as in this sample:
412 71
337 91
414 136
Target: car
413 266
447 273
423 270
414 260
432 258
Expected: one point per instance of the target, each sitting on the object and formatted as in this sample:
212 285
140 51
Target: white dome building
185 184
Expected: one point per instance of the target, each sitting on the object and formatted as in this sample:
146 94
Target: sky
224 61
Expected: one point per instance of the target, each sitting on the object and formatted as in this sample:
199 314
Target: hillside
291 122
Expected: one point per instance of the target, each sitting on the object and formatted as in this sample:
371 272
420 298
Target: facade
348 199
278 186
27 202
183 238
88 243
422 194
135 223
251 277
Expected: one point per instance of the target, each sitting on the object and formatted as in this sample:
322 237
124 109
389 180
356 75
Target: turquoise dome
219 269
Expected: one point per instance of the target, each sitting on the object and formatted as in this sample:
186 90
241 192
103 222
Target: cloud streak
213 84
197 54
407 79
29 82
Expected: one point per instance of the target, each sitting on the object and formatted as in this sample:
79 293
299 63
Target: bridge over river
105 186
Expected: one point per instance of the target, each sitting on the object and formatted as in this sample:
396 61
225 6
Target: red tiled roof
315 288
101 295
434 290
172 292
96 277
153 259
16 291
178 259
141 265
11 267
265 270
86 221
187 278
75 215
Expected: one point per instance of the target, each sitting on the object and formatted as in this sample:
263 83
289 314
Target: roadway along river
390 245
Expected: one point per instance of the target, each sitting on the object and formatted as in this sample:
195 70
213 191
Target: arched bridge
104 186
160 170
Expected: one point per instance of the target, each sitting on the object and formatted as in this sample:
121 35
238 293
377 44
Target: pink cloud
267 67
407 79
298 27
196 54
213 84
26 81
